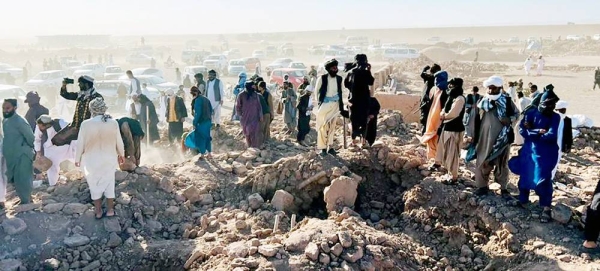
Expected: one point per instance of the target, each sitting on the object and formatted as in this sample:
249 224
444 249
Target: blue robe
539 154
200 139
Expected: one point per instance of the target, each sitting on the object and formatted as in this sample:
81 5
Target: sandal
434 167
546 216
114 214
450 181
590 251
101 215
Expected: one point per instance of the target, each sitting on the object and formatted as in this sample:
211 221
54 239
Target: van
357 41
398 54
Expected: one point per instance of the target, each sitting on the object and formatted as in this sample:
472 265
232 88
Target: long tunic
430 137
290 100
82 108
200 139
148 112
98 146
522 104
540 152
449 145
18 153
326 113
250 111
56 154
358 81
3 179
303 118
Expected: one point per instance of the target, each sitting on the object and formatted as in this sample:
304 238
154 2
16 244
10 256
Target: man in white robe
527 65
215 92
330 106
44 132
522 103
99 151
540 66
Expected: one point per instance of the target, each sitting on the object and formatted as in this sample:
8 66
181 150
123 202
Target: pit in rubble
379 194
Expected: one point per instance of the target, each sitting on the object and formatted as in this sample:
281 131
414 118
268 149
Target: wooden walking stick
345 141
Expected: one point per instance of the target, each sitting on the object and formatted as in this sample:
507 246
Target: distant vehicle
190 56
138 58
341 56
193 70
434 39
80 73
147 71
357 41
393 45
94 70
297 65
109 89
216 62
14 92
316 49
574 37
71 66
532 39
250 63
236 66
468 40
399 54
271 50
259 54
154 82
45 80
514 40
232 54
296 76
374 49
280 63
596 37
112 72
353 49
14 72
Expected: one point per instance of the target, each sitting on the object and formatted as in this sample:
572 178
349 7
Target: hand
368 67
64 84
543 131
426 68
121 159
505 121
38 155
77 164
442 117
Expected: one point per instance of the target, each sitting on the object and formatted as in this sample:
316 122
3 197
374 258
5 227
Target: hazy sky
26 18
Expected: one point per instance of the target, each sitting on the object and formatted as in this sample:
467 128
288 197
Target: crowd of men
481 127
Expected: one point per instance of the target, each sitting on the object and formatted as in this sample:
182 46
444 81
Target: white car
596 37
72 65
393 45
94 70
44 80
138 58
280 63
399 54
154 82
297 65
236 66
14 92
216 62
374 49
340 55
112 72
147 71
14 72
259 54
193 70
574 37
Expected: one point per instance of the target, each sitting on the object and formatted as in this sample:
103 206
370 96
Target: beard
8 114
332 73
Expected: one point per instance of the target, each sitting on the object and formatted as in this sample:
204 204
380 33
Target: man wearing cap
99 151
44 132
304 111
176 114
85 95
215 92
17 149
35 108
491 147
330 106
540 153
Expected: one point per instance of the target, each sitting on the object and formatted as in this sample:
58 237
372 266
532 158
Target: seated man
44 132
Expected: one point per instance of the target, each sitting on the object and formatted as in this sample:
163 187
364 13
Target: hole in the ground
379 197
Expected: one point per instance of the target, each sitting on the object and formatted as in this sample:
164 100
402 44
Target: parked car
47 84
147 71
596 37
514 40
236 66
316 49
280 63
109 89
251 63
216 62
232 54
189 56
374 49
574 37
13 71
154 82
259 54
193 70
297 65
14 92
395 55
393 45
340 55
357 41
112 72
271 50
94 70
138 58
71 66
80 73
296 76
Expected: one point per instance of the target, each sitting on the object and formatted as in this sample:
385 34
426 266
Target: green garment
18 153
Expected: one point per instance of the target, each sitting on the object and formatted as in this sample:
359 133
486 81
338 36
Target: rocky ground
286 208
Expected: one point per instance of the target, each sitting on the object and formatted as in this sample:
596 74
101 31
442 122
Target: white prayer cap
170 92
45 119
493 81
562 105
88 78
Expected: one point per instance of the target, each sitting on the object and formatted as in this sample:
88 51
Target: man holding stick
330 105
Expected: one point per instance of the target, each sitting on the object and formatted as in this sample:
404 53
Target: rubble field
286 208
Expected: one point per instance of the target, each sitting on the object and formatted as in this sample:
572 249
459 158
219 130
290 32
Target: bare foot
208 156
98 213
110 213
590 244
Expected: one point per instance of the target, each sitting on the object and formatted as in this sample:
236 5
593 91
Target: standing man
177 76
425 105
330 106
236 91
523 102
176 114
304 112
438 98
527 65
540 66
492 149
35 109
359 81
251 114
86 94
215 92
200 83
567 131
143 110
289 98
46 129
135 88
596 78
268 115
200 139
17 149
99 151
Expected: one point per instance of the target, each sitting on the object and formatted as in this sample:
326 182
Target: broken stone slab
268 250
283 201
76 240
114 240
310 180
53 207
11 265
74 208
255 201
312 252
27 207
112 224
342 192
13 226
561 213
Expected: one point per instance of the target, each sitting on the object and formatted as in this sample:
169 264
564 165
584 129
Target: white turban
45 119
170 92
562 105
493 81
88 78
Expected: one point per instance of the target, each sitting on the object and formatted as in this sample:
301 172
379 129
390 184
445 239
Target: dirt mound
439 54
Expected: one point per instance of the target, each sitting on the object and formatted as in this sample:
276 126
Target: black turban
331 63
457 82
13 102
361 58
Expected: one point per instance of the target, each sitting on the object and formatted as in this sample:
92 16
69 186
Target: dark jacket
567 140
323 91
180 110
303 106
34 112
82 108
358 81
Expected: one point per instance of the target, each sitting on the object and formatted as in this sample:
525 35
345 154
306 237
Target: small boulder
76 240
342 192
561 213
13 226
53 207
312 251
255 201
283 201
74 208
